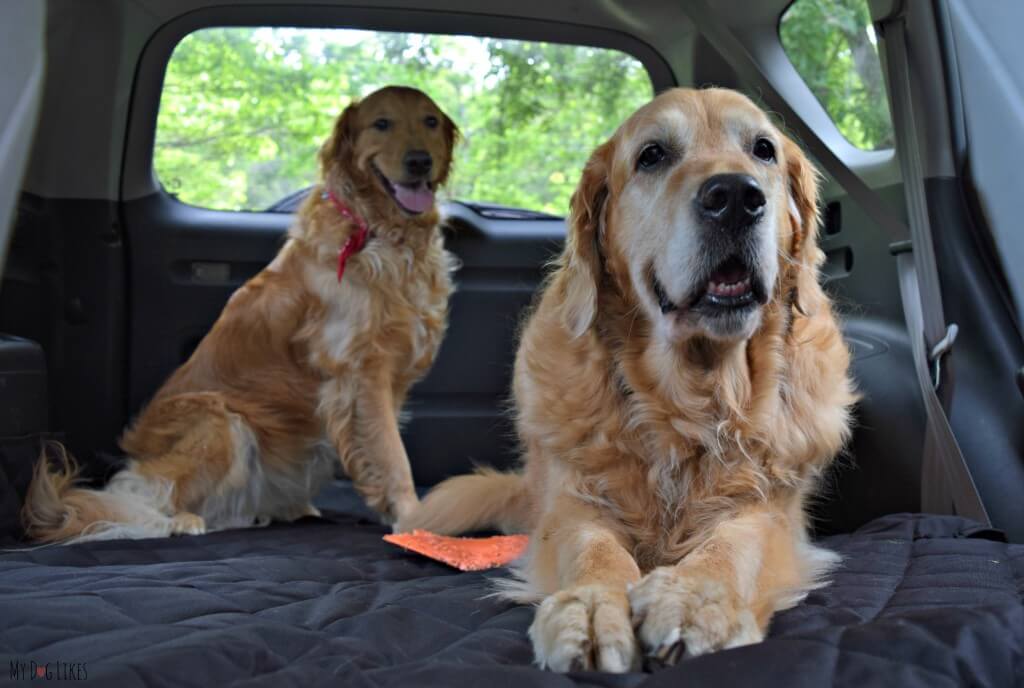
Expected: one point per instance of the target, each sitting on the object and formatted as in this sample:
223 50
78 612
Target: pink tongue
416 199
729 275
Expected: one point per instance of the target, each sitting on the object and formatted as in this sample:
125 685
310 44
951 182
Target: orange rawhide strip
465 554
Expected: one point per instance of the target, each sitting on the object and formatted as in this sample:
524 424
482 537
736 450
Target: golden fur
299 369
668 457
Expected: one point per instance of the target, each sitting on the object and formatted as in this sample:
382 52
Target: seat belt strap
945 476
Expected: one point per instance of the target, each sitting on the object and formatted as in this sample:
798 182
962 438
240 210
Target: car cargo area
139 208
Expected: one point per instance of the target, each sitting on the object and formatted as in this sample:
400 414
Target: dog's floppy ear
802 180
581 264
339 145
452 135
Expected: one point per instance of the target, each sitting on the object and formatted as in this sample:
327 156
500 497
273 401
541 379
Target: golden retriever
309 362
679 388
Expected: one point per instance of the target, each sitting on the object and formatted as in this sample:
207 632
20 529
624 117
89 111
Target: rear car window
833 46
244 110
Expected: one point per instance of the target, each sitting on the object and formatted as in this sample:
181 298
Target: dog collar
357 241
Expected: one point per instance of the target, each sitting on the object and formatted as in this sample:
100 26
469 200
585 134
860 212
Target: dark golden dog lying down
309 362
679 390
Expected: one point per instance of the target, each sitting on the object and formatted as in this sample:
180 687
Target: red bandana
357 241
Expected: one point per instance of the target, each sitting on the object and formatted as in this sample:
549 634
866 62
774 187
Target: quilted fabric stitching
305 583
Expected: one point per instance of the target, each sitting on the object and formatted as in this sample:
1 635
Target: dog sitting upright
309 362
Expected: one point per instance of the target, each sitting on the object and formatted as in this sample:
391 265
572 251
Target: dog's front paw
584 628
398 512
185 523
393 508
402 507
679 615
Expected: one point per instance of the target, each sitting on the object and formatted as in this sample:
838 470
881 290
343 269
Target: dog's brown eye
431 121
382 124
650 156
764 150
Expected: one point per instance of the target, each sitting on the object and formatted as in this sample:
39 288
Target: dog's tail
484 500
57 509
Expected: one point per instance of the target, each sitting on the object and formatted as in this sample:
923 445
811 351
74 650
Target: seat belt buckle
940 349
898 247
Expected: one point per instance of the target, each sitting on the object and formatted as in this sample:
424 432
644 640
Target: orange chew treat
465 554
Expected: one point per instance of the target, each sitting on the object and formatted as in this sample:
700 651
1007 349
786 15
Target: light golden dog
679 388
310 360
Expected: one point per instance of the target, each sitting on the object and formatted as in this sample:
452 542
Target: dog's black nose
732 201
418 163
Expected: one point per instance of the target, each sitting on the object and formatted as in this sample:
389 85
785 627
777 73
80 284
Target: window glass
244 110
832 45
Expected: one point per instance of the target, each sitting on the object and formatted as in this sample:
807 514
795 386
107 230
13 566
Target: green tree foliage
832 46
244 111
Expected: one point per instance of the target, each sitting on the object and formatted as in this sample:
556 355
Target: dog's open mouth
730 286
414 198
